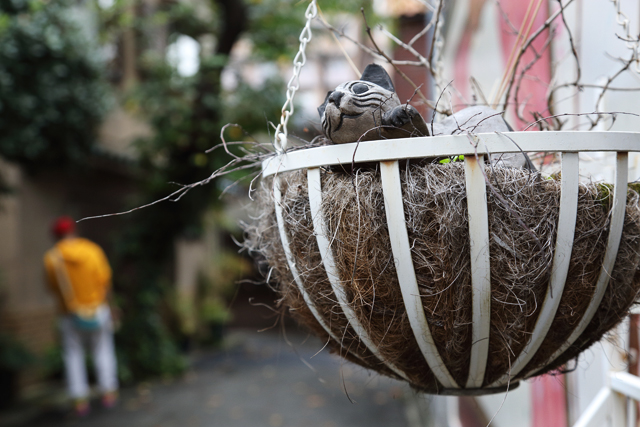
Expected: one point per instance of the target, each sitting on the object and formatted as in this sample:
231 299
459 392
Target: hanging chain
281 133
633 43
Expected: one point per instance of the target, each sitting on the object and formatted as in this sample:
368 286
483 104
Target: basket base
476 391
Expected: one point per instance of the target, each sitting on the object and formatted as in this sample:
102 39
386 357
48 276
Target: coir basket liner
523 210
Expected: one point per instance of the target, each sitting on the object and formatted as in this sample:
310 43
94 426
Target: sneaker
109 399
81 408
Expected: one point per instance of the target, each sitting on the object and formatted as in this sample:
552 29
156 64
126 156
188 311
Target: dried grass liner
437 223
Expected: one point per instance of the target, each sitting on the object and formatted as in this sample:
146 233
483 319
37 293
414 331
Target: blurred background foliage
52 91
57 82
186 115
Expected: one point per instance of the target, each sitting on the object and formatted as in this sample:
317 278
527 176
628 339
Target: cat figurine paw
403 116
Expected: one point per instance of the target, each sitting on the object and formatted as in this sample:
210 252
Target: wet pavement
259 380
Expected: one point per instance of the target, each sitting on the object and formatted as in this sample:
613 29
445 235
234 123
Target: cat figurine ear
374 73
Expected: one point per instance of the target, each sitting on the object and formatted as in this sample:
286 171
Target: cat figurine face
367 109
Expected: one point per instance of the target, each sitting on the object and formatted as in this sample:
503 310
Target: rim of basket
452 145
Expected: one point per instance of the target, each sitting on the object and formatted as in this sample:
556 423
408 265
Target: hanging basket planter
459 278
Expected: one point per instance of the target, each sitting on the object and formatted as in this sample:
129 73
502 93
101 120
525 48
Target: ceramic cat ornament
369 109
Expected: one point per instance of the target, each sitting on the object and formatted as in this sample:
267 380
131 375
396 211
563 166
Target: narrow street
258 380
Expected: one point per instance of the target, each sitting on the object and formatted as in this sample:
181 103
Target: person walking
79 274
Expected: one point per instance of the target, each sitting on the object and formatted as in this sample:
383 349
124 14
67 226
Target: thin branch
433 116
252 160
579 114
390 61
337 41
574 52
422 32
475 85
427 5
510 62
435 32
583 85
514 30
351 39
526 68
408 63
606 86
499 113
422 60
528 43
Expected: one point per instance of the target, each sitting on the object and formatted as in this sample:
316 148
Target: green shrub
52 94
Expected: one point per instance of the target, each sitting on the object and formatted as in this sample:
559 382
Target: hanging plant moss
435 207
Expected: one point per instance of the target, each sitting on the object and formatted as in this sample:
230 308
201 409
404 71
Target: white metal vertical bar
560 267
480 269
629 386
598 411
401 248
632 416
618 410
315 201
613 243
284 239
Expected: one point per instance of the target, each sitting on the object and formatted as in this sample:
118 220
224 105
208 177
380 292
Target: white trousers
103 352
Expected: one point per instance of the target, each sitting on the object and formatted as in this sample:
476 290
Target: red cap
63 226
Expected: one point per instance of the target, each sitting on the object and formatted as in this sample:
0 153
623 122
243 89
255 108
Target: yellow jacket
88 271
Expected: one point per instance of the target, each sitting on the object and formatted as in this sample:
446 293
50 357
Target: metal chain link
633 42
300 59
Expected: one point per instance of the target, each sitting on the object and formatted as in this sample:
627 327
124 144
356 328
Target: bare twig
499 113
362 46
337 41
376 51
504 15
579 114
528 43
624 68
525 69
511 64
421 59
475 85
574 53
433 116
422 32
435 32
390 61
594 86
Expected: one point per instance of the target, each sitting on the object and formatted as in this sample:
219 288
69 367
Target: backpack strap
62 277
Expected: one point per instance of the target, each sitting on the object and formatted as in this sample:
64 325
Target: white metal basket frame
474 148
